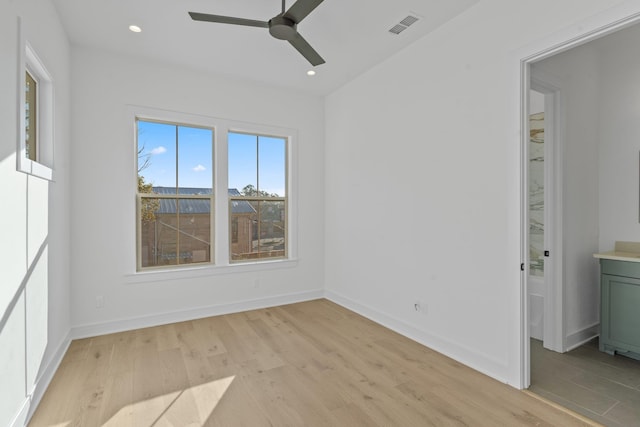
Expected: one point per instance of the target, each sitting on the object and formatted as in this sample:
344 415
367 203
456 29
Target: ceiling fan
282 26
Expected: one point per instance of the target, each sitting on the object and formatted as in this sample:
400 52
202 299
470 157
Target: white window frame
29 61
221 222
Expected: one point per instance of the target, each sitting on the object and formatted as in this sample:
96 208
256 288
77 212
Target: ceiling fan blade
306 50
300 9
227 20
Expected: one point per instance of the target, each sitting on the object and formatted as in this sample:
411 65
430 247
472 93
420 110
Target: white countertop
624 251
619 256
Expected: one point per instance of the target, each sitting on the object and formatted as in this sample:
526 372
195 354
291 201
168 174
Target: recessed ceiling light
311 73
135 28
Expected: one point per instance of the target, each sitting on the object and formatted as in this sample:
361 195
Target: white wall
104 185
34 255
619 138
422 167
578 73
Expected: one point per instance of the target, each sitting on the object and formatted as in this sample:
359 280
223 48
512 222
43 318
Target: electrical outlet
99 301
256 283
420 307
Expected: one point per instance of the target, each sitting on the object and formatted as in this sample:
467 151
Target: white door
545 184
537 290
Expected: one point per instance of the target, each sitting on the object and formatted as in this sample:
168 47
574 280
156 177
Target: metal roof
197 206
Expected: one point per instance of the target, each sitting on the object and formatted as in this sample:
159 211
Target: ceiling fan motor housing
282 28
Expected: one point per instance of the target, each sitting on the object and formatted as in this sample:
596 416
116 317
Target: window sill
35 169
205 271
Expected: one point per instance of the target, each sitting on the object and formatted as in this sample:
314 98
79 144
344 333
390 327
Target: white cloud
199 168
158 150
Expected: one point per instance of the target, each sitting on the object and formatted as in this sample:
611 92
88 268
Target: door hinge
522 267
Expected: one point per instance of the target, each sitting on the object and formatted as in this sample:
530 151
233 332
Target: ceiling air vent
404 24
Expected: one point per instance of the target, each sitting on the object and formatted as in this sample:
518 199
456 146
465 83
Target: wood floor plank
78 350
237 407
118 398
208 337
313 363
118 394
352 415
50 411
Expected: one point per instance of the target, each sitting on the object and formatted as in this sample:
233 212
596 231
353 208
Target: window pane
271 229
31 111
243 162
158 243
157 153
174 231
244 220
257 229
271 166
194 231
195 158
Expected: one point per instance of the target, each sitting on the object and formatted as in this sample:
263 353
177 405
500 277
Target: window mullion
257 165
177 198
221 183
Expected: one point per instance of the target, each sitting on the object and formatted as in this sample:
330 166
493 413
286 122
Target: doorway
573 287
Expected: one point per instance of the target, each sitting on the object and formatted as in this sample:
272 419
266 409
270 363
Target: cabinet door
620 321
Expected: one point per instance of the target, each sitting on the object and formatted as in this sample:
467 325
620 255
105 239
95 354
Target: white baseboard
92 330
35 395
469 357
582 336
22 417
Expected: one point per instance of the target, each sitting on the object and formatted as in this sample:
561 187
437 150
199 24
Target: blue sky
259 161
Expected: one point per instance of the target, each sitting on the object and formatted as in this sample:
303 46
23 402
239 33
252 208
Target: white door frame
626 14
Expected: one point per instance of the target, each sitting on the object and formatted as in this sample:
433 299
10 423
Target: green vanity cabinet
620 307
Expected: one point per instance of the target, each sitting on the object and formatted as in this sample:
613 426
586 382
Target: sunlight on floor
188 407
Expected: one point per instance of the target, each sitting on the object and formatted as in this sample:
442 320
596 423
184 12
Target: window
31 116
35 140
257 196
211 195
175 194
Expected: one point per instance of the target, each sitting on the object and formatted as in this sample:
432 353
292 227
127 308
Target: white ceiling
352 36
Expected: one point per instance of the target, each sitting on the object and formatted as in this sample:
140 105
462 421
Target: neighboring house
243 229
183 236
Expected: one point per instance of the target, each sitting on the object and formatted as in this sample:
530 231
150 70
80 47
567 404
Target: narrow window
35 140
257 196
175 194
31 117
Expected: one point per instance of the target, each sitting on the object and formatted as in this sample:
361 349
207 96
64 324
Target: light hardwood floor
602 387
312 363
